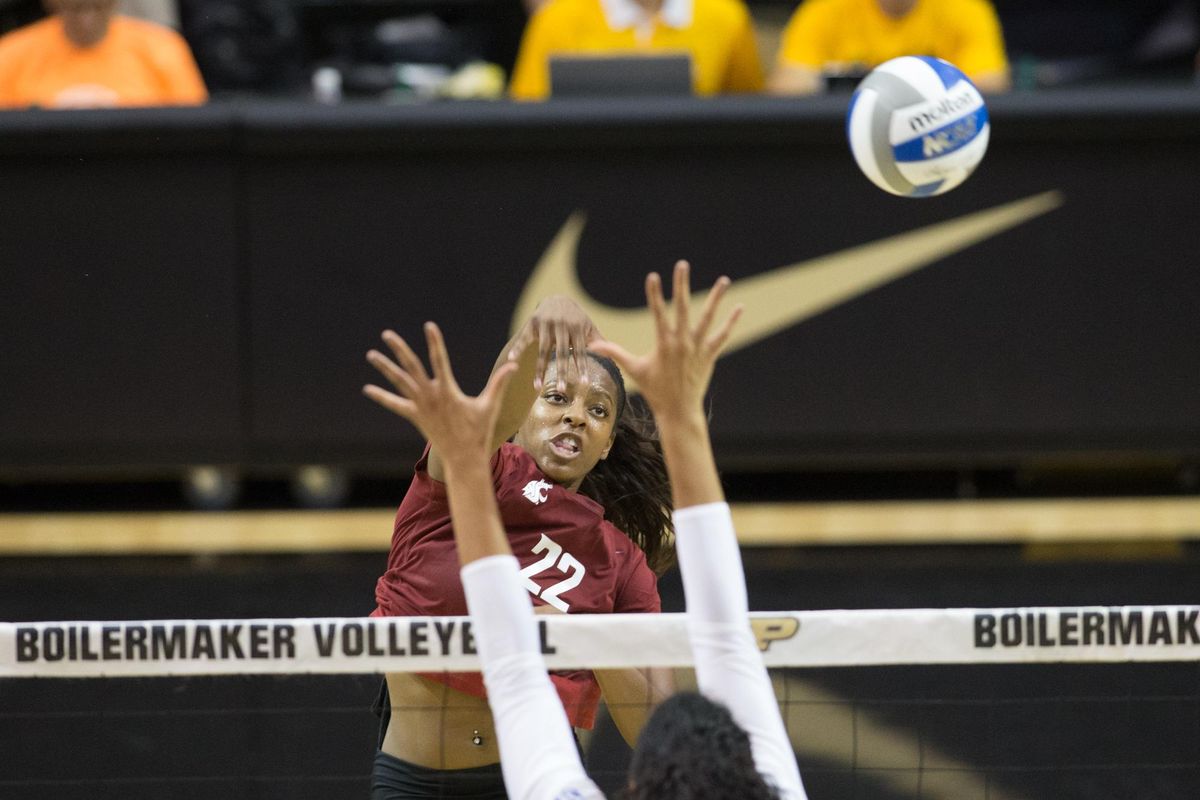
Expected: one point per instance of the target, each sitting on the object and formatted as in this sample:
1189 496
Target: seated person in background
851 37
718 35
85 55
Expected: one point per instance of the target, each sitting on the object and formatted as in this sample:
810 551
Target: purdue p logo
773 629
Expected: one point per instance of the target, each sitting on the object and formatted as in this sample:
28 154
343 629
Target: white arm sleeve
729 666
537 751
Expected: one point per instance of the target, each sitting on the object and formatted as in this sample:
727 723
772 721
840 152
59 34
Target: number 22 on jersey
566 563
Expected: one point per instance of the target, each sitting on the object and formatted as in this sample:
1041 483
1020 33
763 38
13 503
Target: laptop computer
621 75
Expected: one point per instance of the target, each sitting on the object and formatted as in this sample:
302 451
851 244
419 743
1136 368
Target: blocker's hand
458 425
674 376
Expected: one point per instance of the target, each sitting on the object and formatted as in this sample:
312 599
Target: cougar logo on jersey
536 491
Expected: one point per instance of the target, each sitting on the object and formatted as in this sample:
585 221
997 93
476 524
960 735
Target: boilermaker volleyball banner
794 639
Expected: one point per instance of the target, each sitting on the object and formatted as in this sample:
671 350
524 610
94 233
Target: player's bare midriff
435 726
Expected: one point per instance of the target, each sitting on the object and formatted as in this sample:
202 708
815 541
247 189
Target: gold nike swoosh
789 295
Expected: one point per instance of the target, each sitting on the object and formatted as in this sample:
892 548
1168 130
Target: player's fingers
543 353
579 349
497 383
562 355
392 402
520 344
680 291
658 306
581 358
722 335
710 307
439 359
394 374
405 355
624 359
592 334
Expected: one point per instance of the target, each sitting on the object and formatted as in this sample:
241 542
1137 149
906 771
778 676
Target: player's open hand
457 424
558 326
674 376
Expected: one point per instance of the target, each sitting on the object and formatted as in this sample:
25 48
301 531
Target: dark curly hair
632 482
691 749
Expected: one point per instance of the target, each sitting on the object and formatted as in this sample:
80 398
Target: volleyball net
943 704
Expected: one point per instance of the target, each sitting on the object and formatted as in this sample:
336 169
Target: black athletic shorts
393 779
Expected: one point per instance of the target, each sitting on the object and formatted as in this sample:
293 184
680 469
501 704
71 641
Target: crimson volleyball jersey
570 557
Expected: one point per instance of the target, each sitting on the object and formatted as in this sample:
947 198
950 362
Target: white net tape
788 639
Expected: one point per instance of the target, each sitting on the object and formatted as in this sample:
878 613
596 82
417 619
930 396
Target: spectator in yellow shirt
718 35
85 55
830 37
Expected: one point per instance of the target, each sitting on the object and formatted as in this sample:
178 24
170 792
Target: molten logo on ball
927 115
917 126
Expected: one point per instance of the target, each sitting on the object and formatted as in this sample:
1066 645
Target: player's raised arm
674 378
457 425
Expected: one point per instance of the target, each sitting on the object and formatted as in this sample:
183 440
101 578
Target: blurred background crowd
81 53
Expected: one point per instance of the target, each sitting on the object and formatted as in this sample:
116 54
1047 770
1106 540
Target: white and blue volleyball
917 126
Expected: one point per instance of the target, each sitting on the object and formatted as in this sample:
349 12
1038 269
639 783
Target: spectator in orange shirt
85 55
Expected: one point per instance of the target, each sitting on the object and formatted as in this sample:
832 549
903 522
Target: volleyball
917 126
